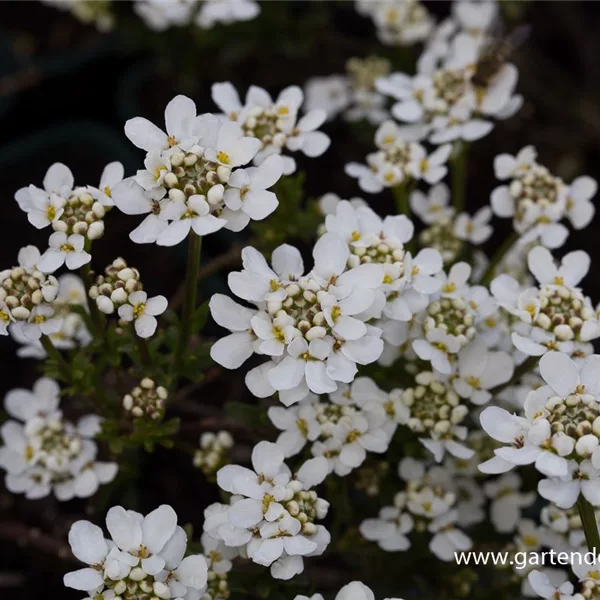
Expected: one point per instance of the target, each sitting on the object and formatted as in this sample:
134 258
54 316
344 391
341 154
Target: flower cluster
355 419
26 298
73 331
398 22
555 314
272 513
192 180
112 288
427 504
460 85
146 400
274 123
399 159
142 559
309 325
558 431
76 214
214 451
537 200
353 94
44 453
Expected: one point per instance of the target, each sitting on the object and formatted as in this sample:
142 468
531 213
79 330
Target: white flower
448 539
143 312
271 514
314 345
226 11
44 453
113 173
64 249
580 209
159 15
298 425
186 176
272 123
558 310
331 94
46 206
389 530
434 206
582 479
545 589
480 370
476 229
247 191
144 553
180 121
507 501
436 347
233 350
431 168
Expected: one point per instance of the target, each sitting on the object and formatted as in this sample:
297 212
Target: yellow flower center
107 191
223 157
51 213
138 310
171 141
67 248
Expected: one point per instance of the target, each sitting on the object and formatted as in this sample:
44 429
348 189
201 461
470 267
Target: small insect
496 52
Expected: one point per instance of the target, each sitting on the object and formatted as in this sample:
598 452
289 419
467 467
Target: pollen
450 287
223 157
283 111
4 316
51 213
67 248
107 191
558 280
171 141
355 236
138 310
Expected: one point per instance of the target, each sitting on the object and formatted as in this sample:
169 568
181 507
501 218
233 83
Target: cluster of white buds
111 289
27 296
400 158
437 411
213 452
398 22
427 504
81 214
537 200
44 453
453 316
146 400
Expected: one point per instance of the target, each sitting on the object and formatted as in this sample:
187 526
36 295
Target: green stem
88 282
459 178
506 245
401 196
144 351
57 357
401 193
189 298
590 527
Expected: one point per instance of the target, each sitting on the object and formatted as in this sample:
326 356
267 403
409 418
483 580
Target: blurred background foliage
66 90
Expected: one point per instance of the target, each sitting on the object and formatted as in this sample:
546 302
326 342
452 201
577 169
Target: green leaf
248 414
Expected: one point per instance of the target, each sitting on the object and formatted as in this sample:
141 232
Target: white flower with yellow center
143 312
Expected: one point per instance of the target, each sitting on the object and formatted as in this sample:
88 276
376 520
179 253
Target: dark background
66 91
